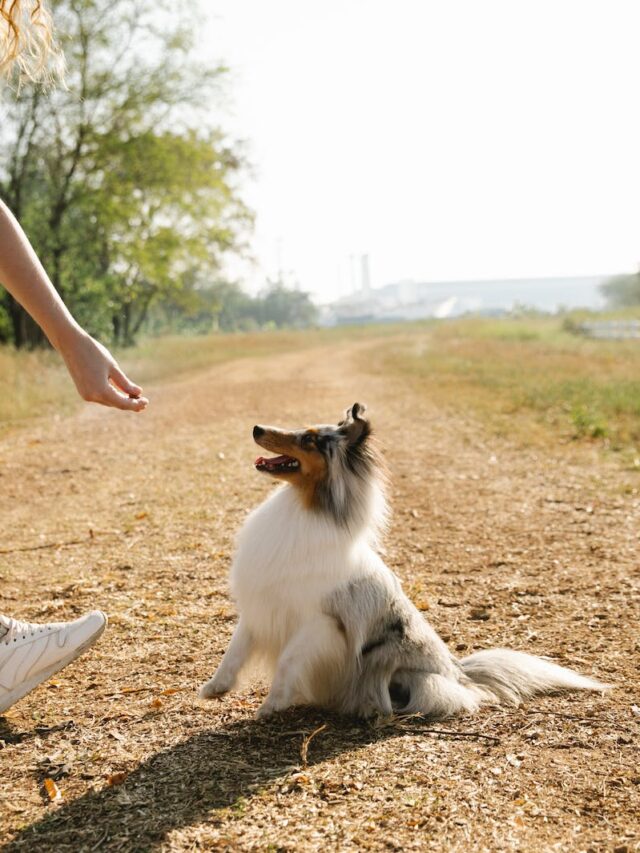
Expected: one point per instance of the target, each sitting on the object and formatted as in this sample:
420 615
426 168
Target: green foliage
5 325
623 291
123 183
587 423
225 307
284 307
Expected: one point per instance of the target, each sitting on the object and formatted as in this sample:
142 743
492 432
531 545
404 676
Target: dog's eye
308 440
322 441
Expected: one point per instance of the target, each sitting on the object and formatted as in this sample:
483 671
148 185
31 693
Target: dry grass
36 385
529 378
30 383
543 540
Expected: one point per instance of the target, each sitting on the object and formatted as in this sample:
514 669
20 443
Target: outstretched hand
92 367
98 377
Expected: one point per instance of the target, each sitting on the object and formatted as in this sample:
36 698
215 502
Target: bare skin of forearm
93 369
24 277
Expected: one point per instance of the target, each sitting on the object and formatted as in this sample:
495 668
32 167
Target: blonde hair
27 48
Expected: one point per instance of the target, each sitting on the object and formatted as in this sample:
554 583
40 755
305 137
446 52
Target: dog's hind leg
434 695
239 651
307 665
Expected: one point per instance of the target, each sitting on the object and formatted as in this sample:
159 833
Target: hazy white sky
446 138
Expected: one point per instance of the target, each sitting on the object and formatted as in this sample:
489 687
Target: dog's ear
355 426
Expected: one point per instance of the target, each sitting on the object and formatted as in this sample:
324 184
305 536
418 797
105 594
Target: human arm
93 369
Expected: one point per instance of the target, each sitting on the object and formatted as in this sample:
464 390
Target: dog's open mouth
277 464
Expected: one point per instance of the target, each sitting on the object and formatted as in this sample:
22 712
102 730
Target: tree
224 306
123 183
623 291
283 306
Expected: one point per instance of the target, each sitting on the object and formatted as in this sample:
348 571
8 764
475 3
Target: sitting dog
318 604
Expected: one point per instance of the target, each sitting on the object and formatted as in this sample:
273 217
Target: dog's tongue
275 460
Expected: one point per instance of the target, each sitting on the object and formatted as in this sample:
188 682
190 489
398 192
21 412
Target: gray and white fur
320 607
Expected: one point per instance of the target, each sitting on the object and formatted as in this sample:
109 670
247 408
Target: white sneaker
31 653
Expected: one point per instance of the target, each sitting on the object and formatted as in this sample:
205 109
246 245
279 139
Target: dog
319 606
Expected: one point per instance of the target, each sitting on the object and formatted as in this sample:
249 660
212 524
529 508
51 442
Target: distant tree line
124 184
226 307
623 291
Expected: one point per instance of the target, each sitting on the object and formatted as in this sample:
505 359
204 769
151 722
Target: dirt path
500 545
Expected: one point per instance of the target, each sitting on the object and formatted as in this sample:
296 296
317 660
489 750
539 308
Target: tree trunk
126 324
16 315
142 316
25 331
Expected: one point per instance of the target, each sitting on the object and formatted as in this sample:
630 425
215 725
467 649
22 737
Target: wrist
66 335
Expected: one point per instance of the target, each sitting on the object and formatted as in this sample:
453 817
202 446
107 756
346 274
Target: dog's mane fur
354 471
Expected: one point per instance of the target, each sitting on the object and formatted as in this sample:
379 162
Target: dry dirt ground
500 545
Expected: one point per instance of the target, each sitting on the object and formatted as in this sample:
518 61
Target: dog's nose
258 431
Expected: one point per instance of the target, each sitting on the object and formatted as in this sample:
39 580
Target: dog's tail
513 676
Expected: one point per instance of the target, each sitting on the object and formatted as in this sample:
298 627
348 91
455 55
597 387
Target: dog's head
307 457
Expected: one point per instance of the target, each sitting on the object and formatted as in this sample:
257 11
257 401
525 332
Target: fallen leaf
156 704
117 778
479 614
53 792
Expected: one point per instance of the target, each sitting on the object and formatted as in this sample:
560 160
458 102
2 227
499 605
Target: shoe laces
14 628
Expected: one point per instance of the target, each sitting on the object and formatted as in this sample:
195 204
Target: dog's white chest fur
287 561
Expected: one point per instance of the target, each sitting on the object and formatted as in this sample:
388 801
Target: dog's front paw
266 710
273 705
214 687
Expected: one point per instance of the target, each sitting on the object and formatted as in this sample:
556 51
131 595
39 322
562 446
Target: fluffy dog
318 604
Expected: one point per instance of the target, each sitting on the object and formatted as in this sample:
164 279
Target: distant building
414 300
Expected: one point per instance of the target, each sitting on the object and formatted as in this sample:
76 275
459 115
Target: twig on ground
596 720
64 544
449 733
304 746
47 545
400 723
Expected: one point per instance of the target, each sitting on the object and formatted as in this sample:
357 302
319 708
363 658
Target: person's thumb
123 382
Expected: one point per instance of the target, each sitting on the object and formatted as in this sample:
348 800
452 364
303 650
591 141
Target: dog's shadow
195 780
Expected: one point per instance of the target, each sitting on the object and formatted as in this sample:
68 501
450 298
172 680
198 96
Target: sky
454 139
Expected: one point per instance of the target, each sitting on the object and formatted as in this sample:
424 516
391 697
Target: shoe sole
27 686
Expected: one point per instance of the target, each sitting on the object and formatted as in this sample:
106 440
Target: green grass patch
529 378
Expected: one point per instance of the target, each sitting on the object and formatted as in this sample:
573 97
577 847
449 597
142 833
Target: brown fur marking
313 466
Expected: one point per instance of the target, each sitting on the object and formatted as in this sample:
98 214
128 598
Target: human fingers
122 381
112 397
